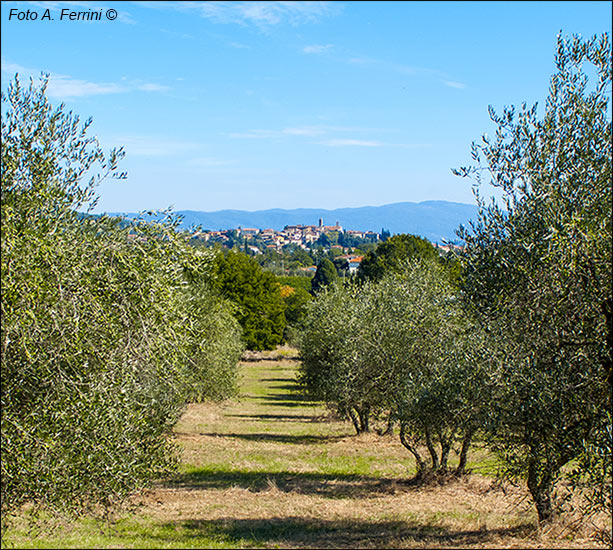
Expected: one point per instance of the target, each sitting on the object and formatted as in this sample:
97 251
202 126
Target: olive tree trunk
540 483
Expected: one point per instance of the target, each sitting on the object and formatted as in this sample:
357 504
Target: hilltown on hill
257 241
301 235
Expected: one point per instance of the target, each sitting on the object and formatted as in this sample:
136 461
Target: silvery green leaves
401 350
538 269
104 337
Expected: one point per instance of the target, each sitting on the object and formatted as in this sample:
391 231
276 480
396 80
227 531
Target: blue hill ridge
434 220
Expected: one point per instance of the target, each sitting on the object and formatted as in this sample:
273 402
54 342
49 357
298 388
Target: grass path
273 470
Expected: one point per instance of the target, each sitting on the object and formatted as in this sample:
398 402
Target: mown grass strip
272 469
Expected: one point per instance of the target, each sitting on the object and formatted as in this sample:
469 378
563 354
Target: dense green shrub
103 337
296 299
296 282
258 305
391 255
325 275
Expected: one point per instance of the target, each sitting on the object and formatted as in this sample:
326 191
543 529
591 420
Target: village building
248 231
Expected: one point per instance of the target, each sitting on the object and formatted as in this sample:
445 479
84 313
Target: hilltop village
342 244
333 238
304 236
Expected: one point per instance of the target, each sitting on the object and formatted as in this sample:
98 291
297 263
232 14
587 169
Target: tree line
511 342
108 327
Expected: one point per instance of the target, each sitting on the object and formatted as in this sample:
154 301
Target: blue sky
284 105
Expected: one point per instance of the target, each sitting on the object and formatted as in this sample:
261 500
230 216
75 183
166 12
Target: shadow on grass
333 485
250 357
286 399
298 532
292 404
280 417
281 399
282 438
292 389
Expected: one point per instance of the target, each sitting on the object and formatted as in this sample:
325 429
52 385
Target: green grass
131 531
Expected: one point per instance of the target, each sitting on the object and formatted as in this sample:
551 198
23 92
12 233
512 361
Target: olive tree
334 366
406 349
99 350
434 361
538 269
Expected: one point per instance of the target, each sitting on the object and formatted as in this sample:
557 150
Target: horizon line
172 209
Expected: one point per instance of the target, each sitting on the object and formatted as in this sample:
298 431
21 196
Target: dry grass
276 471
273 470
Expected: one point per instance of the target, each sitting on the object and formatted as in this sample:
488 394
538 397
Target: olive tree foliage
103 338
435 361
538 269
403 348
333 370
212 337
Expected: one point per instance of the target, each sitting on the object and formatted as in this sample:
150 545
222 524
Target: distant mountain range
434 220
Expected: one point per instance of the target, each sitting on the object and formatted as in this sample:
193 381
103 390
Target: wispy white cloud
62 86
351 143
261 14
182 35
454 84
67 87
238 46
153 88
300 131
364 61
304 131
255 134
327 135
317 48
272 134
9 68
409 70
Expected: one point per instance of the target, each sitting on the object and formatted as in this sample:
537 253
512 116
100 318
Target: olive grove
403 349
